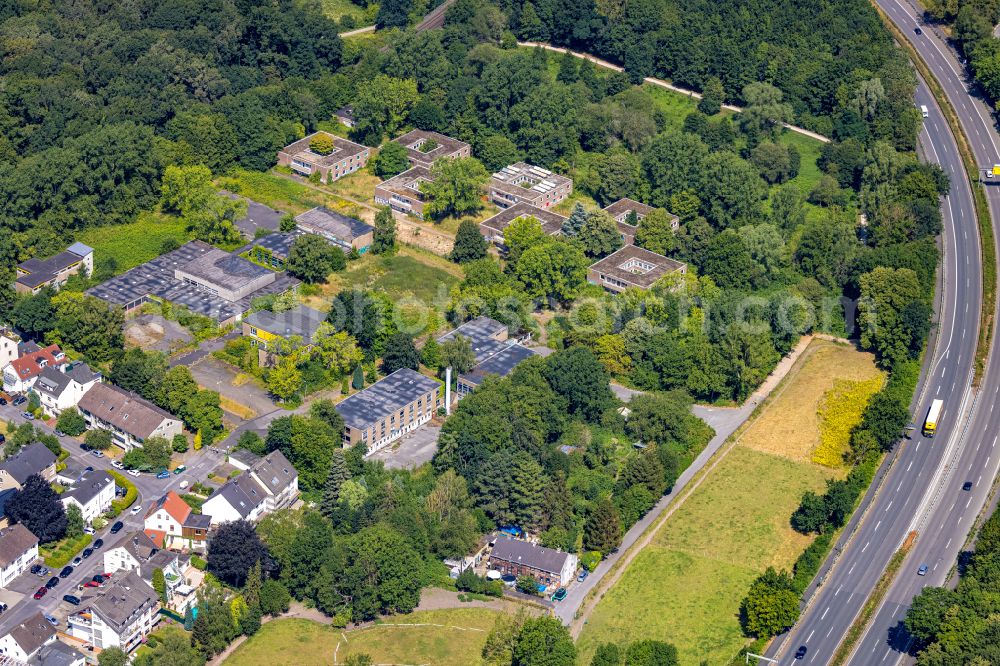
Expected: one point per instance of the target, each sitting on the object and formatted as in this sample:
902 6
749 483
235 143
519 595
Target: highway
923 490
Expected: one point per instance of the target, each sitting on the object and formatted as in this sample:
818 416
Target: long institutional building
389 409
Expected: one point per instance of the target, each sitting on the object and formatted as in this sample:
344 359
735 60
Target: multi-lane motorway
924 491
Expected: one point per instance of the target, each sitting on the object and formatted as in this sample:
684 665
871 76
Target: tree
599 234
160 584
203 415
213 628
311 259
379 573
321 143
521 234
603 530
358 380
430 354
764 111
188 191
607 654
112 656
365 316
400 352
498 151
731 190
334 480
173 649
574 223
885 294
928 612
455 187
770 607
274 598
37 507
569 69
384 237
544 641
89 325
35 315
71 422
656 232
651 653
392 159
578 376
469 243
555 270
74 521
284 380
712 97
393 14
381 105
233 551
777 162
98 439
527 485
812 514
457 354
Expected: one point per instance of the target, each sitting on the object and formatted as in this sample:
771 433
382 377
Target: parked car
179 469
117 527
71 599
66 571
87 552
42 572
99 454
117 464
583 575
60 433
3 607
89 530
801 652
508 580
559 595
97 544
52 582
35 568
28 415
19 400
77 561
40 592
134 472
91 583
3 401
136 509
163 474
922 571
52 620
99 579
184 484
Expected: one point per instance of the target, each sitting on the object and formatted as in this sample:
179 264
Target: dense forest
972 24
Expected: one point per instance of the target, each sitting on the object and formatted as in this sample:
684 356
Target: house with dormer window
21 374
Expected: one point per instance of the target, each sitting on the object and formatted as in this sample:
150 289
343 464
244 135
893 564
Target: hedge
131 494
66 550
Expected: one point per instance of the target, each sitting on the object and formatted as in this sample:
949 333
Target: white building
131 419
8 346
62 387
139 553
93 493
121 615
18 549
20 374
269 484
171 523
28 638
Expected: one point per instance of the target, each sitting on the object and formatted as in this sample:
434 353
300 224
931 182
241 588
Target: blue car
163 475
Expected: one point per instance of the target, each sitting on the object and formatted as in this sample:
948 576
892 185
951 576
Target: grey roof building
272 249
54 381
493 227
520 558
35 274
388 409
57 653
35 458
242 459
495 353
521 182
424 147
131 419
632 266
244 496
344 231
301 321
15 541
345 158
88 487
32 634
258 216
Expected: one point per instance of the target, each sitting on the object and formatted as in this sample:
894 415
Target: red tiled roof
174 505
30 364
158 536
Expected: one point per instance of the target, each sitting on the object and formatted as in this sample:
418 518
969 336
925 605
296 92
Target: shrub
527 585
64 550
590 560
321 144
131 494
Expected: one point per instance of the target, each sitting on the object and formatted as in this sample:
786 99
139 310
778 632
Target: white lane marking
947 544
809 637
887 506
909 466
823 616
838 590
863 550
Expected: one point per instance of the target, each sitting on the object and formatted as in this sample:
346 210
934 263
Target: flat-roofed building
632 266
346 157
627 214
388 409
226 275
34 275
525 183
495 353
271 250
493 227
402 192
131 419
346 232
425 147
265 329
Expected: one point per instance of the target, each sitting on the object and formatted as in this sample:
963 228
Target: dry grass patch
359 186
233 407
790 427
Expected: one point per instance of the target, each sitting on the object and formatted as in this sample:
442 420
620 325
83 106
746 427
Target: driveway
215 375
411 450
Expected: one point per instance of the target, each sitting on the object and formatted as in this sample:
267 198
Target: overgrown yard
284 193
409 273
686 586
453 637
137 242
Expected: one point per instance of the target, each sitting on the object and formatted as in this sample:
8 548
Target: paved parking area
412 450
153 332
215 375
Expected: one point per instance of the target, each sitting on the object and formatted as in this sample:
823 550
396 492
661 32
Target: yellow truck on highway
933 416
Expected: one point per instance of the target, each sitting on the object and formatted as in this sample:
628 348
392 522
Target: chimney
447 391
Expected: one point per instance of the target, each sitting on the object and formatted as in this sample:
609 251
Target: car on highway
52 582
40 592
51 619
583 576
134 472
967 486
922 571
87 552
117 527
117 464
98 544
28 415
71 599
77 561
559 595
918 31
801 652
99 454
66 571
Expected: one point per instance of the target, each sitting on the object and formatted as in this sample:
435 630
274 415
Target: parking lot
411 450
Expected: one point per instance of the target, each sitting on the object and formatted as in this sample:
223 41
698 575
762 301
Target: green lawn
453 637
335 9
809 172
282 193
675 105
134 243
402 275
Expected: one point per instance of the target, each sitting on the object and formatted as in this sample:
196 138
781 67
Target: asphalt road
149 488
923 490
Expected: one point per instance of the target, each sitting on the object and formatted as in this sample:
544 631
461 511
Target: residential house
627 214
35 458
345 115
495 353
199 277
121 615
20 375
9 341
61 387
57 653
5 496
271 250
28 638
345 232
69 472
388 409
93 494
521 558
268 484
138 552
424 147
34 275
265 329
242 459
632 266
402 192
493 227
18 549
131 419
171 523
346 157
524 183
